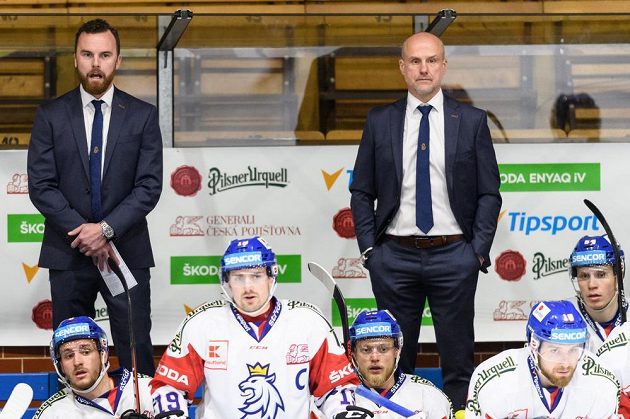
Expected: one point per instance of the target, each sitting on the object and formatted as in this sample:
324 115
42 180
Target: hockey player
79 352
256 356
595 285
375 345
553 376
615 354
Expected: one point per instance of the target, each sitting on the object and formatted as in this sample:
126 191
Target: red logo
18 184
510 265
186 181
343 224
217 355
42 315
298 353
349 268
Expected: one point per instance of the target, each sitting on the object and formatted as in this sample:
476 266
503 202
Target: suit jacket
59 179
472 175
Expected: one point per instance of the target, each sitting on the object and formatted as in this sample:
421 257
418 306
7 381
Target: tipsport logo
330 178
25 228
356 306
522 222
199 270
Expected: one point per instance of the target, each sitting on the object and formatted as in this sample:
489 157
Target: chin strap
228 297
358 373
104 368
598 310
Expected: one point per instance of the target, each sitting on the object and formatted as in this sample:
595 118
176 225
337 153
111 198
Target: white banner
298 199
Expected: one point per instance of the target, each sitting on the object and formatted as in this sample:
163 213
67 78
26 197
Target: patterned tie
96 151
424 213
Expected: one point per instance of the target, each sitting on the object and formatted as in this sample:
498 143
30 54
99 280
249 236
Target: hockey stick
132 340
329 282
621 295
18 402
376 398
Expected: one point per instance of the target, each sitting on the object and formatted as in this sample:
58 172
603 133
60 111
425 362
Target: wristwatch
108 231
365 255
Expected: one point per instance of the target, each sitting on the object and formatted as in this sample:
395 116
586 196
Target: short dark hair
97 26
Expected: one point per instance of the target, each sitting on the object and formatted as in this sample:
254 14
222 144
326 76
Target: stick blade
18 402
323 276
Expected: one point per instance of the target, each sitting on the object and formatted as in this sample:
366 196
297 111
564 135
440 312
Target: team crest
262 398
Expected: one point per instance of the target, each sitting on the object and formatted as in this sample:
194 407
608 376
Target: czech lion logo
262 399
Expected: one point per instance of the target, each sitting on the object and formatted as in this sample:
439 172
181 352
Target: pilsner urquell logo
219 182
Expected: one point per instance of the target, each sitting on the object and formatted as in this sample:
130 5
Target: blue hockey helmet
375 324
76 328
593 251
247 253
556 322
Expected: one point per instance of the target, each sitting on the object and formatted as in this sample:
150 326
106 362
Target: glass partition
285 79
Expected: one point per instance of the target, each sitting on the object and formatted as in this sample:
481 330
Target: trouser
404 277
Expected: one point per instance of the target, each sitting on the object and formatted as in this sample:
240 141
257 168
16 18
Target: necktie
96 150
424 213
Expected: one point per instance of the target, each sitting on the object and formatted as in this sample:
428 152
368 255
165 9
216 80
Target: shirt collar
436 101
86 98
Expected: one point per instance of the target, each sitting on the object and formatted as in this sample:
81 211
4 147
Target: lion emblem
262 399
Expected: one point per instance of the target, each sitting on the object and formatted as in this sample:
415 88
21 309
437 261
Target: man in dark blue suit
429 164
95 172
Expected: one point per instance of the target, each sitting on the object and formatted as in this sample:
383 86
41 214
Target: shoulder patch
176 343
60 395
293 304
591 367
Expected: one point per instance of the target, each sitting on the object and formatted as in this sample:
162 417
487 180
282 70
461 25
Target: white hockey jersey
615 354
503 387
65 404
267 371
596 333
413 393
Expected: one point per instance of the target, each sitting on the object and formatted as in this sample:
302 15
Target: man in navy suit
95 172
436 187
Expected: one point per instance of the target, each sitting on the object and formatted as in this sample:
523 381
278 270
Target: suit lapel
397 122
116 121
74 107
452 117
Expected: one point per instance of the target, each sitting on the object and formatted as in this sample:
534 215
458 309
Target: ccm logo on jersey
336 375
568 335
171 374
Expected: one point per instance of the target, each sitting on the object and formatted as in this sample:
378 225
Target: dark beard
97 87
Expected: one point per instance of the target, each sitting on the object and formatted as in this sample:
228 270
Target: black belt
425 242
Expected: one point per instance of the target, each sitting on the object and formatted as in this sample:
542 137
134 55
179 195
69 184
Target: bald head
422 38
423 65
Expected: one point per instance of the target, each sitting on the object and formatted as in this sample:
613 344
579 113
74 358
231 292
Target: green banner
25 228
550 177
357 305
206 269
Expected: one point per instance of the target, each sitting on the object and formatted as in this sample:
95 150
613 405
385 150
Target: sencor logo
245 258
595 258
368 330
72 330
569 336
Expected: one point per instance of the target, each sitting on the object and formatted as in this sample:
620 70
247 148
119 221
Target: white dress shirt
404 222
88 117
